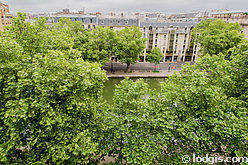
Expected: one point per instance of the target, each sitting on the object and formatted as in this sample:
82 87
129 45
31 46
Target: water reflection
108 91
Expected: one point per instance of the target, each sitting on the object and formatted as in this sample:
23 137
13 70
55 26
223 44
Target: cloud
124 5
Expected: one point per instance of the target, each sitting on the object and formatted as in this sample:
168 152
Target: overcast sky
165 6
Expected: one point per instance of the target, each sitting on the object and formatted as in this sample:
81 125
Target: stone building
173 38
5 16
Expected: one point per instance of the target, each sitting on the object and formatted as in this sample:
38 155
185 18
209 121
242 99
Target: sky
164 6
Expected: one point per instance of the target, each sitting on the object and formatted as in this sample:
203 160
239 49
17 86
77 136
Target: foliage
239 71
131 131
216 36
129 45
50 110
155 56
72 27
205 119
202 110
37 38
97 45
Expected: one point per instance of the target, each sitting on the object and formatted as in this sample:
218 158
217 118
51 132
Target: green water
108 91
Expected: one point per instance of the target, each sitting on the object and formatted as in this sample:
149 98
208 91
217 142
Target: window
175 58
164 36
91 20
156 35
144 29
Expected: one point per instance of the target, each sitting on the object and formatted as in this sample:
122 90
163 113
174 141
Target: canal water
108 91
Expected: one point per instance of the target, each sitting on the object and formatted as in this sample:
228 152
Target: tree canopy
52 111
50 98
216 36
155 56
129 45
97 45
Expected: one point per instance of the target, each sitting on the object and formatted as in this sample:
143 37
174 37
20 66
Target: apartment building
173 38
5 16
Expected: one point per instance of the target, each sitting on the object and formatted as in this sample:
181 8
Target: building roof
168 24
230 12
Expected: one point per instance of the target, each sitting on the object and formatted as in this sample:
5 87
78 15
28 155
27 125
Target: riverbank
141 74
142 70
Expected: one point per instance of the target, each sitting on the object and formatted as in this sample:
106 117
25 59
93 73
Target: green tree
155 56
207 118
216 36
130 45
50 110
238 72
132 133
97 45
37 38
73 27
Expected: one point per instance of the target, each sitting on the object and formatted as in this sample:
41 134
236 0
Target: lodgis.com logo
212 160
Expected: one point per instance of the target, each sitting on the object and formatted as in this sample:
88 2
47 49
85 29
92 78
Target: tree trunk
155 67
111 69
128 68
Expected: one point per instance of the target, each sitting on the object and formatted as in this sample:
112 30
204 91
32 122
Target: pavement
143 69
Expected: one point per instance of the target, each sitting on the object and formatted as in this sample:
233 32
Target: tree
38 38
217 36
97 45
201 104
155 56
50 108
73 27
130 45
132 133
202 110
238 72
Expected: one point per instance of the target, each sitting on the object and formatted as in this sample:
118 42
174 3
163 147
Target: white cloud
124 5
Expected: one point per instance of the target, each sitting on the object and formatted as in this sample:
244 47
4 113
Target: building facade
5 16
173 39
